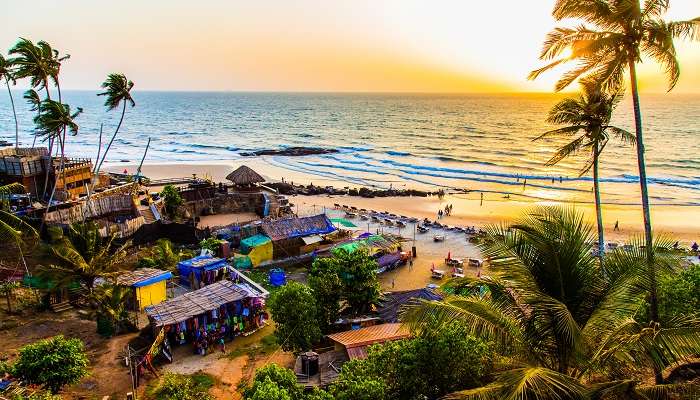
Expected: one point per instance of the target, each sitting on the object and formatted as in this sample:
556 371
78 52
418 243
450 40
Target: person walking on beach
617 226
393 283
482 199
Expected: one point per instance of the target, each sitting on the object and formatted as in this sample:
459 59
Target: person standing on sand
393 283
617 226
482 199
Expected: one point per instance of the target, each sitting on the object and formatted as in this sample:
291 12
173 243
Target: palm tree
54 118
41 64
12 228
83 255
624 31
110 302
558 320
118 90
587 119
34 101
6 73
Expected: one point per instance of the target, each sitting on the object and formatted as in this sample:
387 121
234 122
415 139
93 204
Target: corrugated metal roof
370 335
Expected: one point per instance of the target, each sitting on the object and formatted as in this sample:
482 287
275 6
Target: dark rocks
290 152
288 189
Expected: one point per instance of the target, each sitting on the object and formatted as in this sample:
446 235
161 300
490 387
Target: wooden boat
439 238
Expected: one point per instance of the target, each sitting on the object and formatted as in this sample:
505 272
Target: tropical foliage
357 273
52 363
83 255
182 387
163 255
429 366
110 302
559 319
12 228
273 380
117 90
679 293
171 199
618 35
587 122
6 74
294 311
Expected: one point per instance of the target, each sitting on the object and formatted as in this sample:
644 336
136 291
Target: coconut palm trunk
14 112
641 164
111 140
49 167
598 205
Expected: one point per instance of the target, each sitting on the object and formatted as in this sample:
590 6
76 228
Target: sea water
481 142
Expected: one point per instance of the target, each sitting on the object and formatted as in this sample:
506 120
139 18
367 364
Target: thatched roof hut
244 176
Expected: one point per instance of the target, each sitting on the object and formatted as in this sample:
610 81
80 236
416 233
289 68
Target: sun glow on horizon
362 46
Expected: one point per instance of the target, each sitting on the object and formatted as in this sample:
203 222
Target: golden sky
309 45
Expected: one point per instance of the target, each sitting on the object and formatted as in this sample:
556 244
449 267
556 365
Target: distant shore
680 222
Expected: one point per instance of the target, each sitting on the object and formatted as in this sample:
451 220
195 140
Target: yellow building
148 284
258 248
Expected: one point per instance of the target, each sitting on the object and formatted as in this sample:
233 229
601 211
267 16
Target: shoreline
680 222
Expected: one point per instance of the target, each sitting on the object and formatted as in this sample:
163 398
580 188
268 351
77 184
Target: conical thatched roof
243 175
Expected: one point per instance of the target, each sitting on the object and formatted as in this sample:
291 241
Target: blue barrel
277 277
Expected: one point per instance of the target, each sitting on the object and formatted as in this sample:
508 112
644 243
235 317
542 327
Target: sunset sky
309 45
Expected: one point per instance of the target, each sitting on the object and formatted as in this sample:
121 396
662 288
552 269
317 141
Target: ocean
431 141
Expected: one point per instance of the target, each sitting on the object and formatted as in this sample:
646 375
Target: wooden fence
94 209
124 229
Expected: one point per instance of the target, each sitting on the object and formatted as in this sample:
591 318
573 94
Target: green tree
41 64
52 363
561 321
622 32
7 289
587 120
171 199
83 256
6 73
111 311
429 366
273 379
327 290
34 100
13 228
52 119
358 273
358 382
294 311
163 255
680 294
118 90
182 387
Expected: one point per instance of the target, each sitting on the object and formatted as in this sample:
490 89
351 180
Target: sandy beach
680 222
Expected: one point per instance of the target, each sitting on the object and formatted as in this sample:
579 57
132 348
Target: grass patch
267 345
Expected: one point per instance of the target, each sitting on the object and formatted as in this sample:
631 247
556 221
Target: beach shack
149 286
201 271
385 248
258 249
220 311
297 235
355 342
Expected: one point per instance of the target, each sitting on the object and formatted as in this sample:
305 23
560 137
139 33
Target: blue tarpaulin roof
294 227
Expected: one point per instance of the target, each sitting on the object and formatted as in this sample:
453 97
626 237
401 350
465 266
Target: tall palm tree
6 73
41 64
118 90
34 101
587 120
559 322
83 255
623 32
52 119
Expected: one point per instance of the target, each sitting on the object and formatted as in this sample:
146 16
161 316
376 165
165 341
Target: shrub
294 311
52 362
183 387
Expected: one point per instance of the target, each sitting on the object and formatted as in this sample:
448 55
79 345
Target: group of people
447 212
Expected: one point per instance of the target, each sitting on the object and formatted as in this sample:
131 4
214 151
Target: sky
309 45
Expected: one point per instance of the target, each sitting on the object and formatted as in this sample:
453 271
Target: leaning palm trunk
14 112
50 165
598 205
104 156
